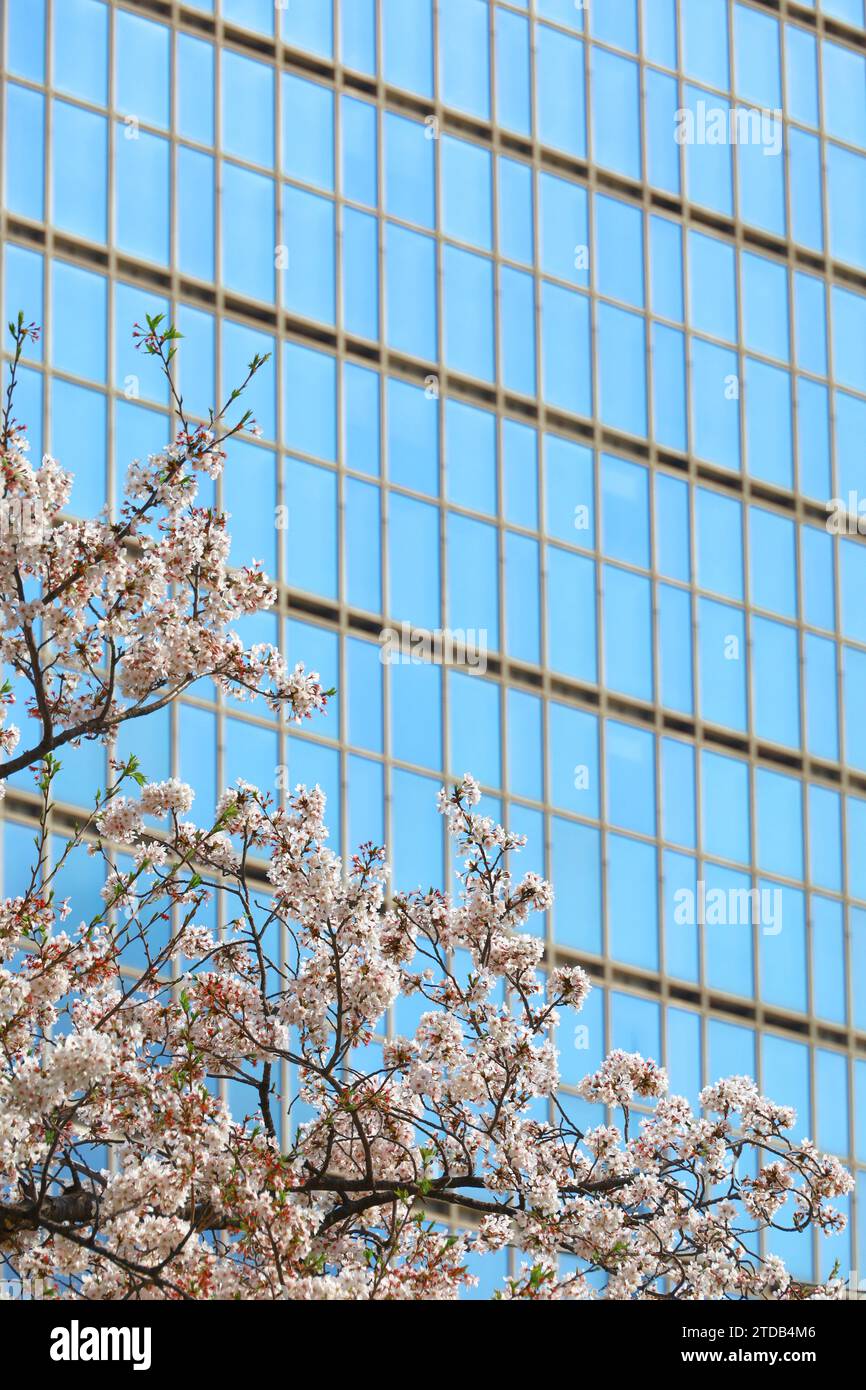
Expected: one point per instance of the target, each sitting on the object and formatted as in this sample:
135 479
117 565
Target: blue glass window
413 437
802 74
805 182
666 268
361 431
195 213
416 713
473 578
363 700
309 24
309 284
247 127
616 87
576 869
358 34
844 93
407 30
133 372
413 540
525 745
409 170
625 511
240 344
468 312
410 260
728 931
360 177
249 492
618 258
678 792
24 164
772 562
684 1053
308 132
470 456
719 525
768 423
825 838
360 273
705 41
516 210
810 320
22 287
712 286
25 38
142 67
519 444
513 90
632 896
248 226
775 665
852 571
79 168
630 777
566 355
474 727
672 527
822 716
663 154
659 25
782 938
846 192
80 49
627 611
142 224
517 331
675 648
704 129
761 172
464 71
312 533
765 306
731 1049
521 597
467 208
195 89
563 229
725 814
813 437
756 58
854 686
572 637
252 14
559 83
78 343
635 1024
780 823
310 400
849 334
722 657
831 1101
828 958
715 404
786 1078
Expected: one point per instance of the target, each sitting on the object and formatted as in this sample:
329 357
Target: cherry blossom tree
377 1172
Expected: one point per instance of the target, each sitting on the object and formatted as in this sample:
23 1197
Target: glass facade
566 308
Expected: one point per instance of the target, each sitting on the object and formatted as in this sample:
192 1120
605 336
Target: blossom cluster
323 1190
105 620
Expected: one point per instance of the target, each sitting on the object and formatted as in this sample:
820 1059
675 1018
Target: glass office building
566 308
